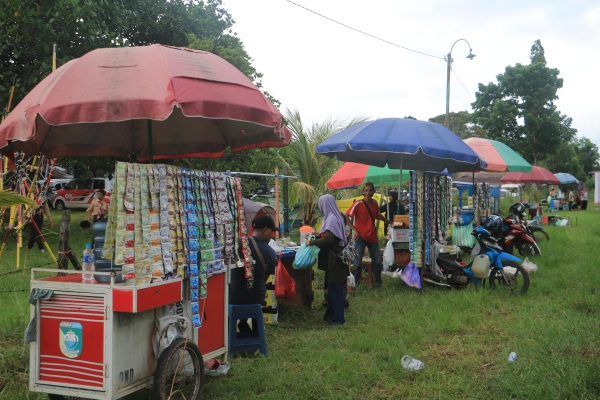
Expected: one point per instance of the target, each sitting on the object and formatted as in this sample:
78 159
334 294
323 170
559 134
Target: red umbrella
102 104
537 175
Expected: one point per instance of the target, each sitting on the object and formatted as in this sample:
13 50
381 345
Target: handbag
306 256
348 255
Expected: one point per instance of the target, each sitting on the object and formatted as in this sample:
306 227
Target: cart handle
65 271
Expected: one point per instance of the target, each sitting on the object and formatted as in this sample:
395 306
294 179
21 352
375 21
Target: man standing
584 198
265 260
365 213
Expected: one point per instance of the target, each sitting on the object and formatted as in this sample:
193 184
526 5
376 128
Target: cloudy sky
326 70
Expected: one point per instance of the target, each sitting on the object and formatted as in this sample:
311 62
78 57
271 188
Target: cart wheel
180 372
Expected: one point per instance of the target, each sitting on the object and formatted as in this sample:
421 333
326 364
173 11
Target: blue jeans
360 244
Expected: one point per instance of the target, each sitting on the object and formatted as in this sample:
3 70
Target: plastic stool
571 218
247 341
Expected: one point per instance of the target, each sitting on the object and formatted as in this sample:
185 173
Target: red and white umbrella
149 100
537 175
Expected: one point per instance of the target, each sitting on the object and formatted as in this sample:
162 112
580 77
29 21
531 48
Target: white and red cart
95 340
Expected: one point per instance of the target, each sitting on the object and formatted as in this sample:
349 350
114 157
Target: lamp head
471 55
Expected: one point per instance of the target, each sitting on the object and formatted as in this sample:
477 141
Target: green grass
463 337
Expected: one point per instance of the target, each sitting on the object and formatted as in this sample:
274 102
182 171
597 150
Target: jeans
375 252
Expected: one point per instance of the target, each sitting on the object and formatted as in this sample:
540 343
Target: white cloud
325 70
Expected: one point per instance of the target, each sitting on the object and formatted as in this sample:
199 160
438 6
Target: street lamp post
449 67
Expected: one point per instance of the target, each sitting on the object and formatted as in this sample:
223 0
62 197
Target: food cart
95 340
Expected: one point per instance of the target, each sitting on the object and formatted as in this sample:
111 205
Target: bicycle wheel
180 372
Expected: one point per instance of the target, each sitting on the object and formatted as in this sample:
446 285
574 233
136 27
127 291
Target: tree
312 169
461 123
29 28
519 110
565 159
587 153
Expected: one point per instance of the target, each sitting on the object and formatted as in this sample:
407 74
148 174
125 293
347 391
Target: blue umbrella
402 143
565 178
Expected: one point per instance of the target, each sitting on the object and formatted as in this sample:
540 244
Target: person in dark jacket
239 292
332 241
393 206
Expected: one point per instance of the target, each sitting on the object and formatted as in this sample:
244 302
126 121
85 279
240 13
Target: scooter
492 262
518 236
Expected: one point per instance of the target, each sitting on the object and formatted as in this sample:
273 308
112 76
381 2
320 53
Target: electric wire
464 87
362 32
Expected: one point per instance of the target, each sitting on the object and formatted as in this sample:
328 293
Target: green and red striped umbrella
499 157
354 174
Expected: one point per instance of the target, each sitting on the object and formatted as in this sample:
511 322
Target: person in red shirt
365 213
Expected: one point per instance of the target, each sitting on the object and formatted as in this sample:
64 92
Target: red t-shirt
362 220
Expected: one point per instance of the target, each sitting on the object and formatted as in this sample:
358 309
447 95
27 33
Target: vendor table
305 278
95 340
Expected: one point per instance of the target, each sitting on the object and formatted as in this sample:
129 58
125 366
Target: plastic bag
216 367
306 256
350 282
529 266
285 285
411 276
388 255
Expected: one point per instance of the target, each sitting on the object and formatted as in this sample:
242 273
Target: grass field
463 337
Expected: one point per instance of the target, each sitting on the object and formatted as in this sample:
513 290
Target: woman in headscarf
332 241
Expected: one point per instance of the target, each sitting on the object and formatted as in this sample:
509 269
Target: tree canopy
461 123
29 29
519 109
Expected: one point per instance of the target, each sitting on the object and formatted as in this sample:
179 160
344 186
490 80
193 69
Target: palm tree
311 169
9 199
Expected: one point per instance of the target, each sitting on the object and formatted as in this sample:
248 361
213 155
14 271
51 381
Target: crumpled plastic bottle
412 363
512 356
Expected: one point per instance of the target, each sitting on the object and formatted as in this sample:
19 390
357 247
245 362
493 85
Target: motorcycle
518 236
537 232
491 262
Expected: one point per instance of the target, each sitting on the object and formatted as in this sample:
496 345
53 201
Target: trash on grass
512 356
215 367
529 266
412 363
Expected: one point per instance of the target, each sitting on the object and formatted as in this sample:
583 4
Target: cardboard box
401 219
400 235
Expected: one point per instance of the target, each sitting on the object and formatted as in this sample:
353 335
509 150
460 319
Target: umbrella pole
150 149
399 187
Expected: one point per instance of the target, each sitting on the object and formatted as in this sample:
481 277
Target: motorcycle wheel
516 282
540 237
528 249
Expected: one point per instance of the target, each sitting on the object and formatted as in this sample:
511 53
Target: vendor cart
95 340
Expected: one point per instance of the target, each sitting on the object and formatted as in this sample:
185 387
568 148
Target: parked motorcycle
518 237
537 232
492 262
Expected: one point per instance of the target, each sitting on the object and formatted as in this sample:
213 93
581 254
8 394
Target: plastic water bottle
88 265
411 363
512 356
